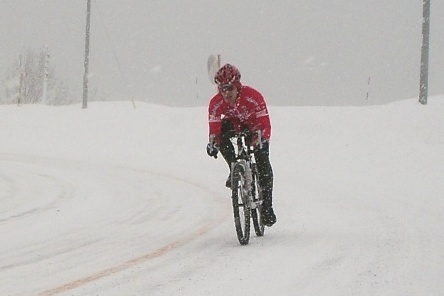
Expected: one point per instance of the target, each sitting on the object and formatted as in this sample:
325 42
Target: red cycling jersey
250 110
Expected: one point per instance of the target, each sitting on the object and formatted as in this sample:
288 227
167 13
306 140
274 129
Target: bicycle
245 190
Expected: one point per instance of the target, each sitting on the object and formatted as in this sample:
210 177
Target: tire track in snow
202 230
131 263
39 165
18 188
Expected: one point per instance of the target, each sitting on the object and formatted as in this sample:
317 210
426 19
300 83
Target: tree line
32 79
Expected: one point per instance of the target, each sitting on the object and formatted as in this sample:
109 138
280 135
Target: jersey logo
213 118
262 113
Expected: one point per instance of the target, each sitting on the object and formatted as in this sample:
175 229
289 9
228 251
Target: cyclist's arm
214 119
261 118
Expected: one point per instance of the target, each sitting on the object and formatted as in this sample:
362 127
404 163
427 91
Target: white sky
114 200
297 52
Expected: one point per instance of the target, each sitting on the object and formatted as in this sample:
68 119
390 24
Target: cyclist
236 108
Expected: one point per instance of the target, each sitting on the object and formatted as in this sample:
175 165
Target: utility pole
22 82
86 63
45 77
424 75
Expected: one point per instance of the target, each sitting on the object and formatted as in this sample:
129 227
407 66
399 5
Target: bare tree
25 82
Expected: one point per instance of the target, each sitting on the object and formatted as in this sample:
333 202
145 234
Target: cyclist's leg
265 171
266 182
226 147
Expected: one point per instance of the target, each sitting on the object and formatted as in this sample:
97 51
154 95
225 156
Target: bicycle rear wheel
256 208
241 208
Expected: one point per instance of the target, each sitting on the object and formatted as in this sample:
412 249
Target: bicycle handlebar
243 145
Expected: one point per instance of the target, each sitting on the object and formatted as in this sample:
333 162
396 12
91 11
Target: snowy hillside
113 200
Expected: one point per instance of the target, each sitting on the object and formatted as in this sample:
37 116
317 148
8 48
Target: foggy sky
295 52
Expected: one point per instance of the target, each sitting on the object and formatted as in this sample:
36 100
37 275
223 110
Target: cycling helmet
228 74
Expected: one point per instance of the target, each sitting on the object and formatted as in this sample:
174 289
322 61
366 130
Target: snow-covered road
358 194
115 218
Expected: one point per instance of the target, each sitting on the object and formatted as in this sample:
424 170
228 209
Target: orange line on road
128 264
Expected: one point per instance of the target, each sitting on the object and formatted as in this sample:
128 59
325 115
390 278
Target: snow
112 200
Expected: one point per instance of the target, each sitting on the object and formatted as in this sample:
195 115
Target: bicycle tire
241 208
256 211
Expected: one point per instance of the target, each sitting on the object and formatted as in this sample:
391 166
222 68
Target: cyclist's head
226 76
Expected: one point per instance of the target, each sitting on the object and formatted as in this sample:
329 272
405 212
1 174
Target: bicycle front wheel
241 208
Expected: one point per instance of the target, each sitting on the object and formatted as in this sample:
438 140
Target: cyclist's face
229 95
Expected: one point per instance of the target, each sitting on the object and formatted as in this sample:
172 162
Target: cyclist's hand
212 149
260 146
257 141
